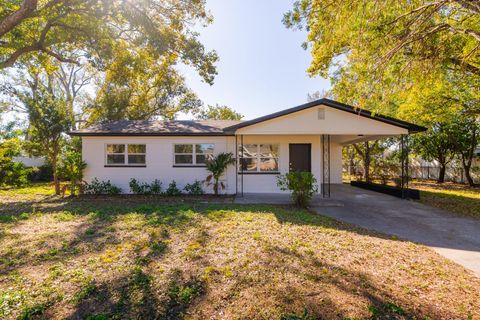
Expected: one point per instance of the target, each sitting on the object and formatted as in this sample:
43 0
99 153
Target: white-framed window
125 154
258 158
192 154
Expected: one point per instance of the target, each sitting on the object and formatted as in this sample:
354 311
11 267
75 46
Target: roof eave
145 134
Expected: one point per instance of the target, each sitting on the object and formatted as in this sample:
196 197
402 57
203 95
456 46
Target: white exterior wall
336 158
159 161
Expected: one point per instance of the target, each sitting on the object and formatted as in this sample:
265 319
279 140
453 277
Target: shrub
71 168
11 172
156 187
303 186
172 189
100 187
43 173
217 166
145 188
194 188
14 173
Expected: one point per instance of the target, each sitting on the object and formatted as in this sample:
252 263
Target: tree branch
11 21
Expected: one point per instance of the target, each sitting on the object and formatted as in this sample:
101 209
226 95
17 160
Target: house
309 137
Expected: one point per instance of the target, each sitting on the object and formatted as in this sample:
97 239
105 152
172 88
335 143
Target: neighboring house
308 137
30 161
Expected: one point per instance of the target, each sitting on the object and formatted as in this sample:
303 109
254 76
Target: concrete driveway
453 237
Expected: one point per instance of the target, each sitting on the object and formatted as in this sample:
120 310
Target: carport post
405 165
325 165
241 160
236 164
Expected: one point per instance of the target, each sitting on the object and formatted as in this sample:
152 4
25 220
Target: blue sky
262 67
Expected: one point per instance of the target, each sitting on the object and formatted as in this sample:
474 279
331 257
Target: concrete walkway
455 238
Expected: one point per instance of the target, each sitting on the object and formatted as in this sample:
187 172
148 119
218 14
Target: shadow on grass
381 303
91 236
136 295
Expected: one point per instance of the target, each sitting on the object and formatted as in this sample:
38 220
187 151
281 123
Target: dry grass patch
114 259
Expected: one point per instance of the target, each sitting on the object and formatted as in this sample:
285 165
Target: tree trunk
56 182
366 173
467 157
468 175
215 187
441 175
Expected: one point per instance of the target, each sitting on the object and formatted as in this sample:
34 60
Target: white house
309 137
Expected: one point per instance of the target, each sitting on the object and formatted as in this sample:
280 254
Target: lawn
142 258
457 198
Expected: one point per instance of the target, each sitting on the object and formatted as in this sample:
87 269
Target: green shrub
14 173
172 189
71 168
100 187
43 173
145 188
194 188
303 186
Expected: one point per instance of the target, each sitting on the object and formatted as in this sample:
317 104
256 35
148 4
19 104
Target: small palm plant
217 166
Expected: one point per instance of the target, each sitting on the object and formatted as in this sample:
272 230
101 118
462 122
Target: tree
49 119
467 138
61 29
217 166
437 143
439 32
138 87
218 112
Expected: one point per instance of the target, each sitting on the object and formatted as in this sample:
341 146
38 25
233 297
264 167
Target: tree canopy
375 49
63 29
218 112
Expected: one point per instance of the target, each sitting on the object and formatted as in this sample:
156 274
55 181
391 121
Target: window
192 154
259 158
130 154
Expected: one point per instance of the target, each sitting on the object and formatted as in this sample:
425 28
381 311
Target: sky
262 67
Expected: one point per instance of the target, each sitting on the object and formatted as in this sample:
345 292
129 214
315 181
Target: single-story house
308 137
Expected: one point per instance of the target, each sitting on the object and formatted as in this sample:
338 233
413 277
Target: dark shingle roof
158 128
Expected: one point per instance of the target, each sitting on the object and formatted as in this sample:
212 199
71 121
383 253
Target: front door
300 157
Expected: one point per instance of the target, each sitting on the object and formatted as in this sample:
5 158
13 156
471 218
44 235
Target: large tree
445 31
61 29
374 49
49 119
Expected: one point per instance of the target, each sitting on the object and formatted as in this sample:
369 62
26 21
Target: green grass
43 189
114 257
456 198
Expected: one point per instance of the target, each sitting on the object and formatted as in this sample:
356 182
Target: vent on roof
321 113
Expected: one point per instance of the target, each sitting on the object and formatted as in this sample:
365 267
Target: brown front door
300 157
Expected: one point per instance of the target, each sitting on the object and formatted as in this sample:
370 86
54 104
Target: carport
310 138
